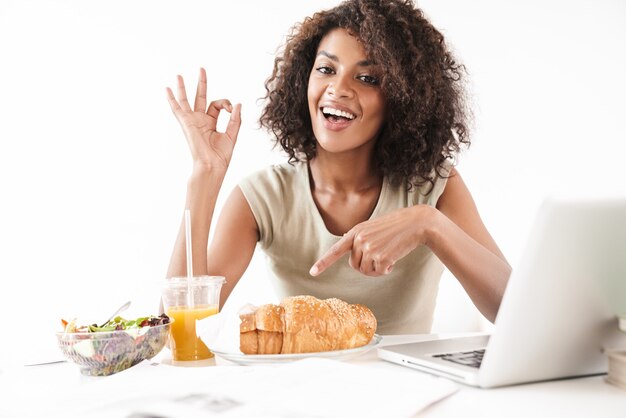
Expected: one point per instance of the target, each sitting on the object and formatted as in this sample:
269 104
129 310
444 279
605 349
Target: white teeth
337 112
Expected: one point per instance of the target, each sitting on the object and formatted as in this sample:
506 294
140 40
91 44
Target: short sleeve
428 193
257 190
440 184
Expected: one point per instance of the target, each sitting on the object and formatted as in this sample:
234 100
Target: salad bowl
117 346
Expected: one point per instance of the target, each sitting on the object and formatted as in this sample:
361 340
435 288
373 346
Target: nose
340 87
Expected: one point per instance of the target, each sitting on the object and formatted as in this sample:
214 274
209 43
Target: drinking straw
189 256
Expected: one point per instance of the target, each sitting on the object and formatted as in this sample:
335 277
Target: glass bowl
106 353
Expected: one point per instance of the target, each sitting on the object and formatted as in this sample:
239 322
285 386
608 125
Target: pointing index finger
333 254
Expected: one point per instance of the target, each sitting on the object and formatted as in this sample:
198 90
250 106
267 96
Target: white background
93 166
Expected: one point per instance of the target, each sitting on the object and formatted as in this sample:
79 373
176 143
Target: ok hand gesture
209 148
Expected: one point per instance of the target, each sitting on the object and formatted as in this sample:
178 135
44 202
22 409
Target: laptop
558 314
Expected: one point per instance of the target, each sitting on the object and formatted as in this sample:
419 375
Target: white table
60 390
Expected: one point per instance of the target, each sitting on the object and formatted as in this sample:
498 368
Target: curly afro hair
427 118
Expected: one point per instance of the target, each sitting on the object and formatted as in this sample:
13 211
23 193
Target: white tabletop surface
60 390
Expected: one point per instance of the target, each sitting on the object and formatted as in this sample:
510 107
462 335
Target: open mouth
336 115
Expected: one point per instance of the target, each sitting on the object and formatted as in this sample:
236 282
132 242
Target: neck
347 172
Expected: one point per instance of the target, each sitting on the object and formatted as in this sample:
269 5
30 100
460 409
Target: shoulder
430 192
456 195
273 175
272 194
454 182
274 185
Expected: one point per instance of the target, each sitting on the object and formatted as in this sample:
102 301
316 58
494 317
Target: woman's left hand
377 244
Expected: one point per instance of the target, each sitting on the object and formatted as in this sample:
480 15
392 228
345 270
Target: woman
368 104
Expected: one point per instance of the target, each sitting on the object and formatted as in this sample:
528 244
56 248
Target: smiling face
346 103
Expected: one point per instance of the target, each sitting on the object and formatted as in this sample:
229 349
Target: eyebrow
364 63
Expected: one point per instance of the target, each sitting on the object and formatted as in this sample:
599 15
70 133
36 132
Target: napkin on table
220 332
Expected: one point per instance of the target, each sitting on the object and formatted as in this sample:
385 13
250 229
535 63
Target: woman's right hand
209 148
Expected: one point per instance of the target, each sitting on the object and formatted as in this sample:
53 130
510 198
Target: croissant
305 324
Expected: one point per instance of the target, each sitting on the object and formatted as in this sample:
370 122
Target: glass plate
249 359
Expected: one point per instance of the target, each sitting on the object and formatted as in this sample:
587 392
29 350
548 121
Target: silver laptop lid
556 316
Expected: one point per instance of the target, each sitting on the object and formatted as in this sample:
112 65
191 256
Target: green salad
116 324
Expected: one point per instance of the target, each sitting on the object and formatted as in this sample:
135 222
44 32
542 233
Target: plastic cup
187 301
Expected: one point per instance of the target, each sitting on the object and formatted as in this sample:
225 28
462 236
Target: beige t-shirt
293 236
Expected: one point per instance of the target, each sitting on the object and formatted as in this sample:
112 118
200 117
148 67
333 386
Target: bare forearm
202 191
482 273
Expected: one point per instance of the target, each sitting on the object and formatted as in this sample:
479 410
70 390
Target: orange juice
184 342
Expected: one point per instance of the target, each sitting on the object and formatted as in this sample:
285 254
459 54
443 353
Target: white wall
93 165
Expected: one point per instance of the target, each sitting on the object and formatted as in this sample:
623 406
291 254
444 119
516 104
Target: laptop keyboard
466 358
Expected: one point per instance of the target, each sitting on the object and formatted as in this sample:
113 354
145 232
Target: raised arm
234 240
211 152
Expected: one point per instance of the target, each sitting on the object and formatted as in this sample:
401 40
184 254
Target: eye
324 69
369 79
